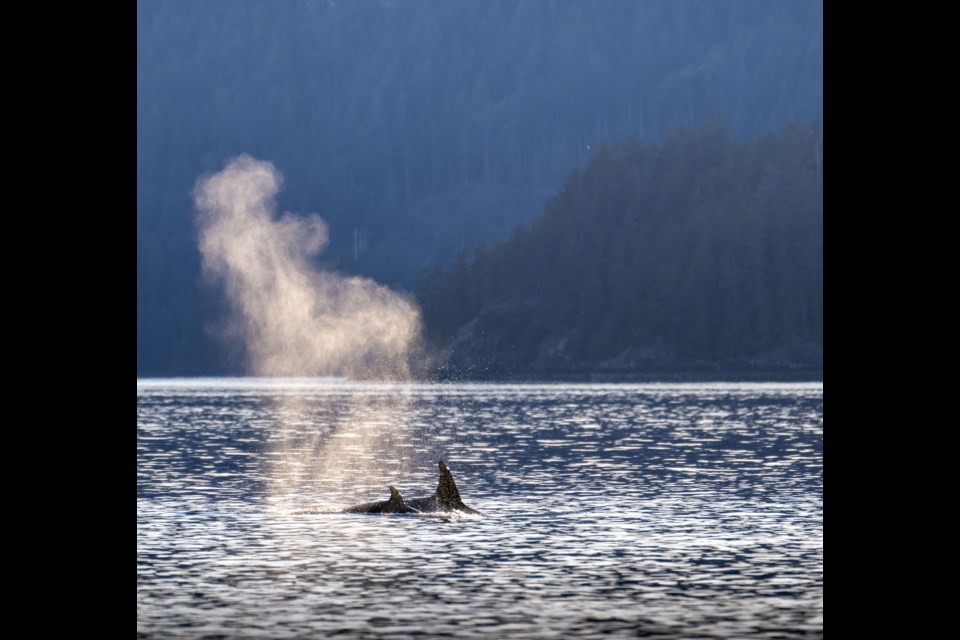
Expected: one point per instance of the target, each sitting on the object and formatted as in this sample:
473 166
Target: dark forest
703 254
645 178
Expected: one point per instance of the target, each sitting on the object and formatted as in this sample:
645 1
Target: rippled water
662 511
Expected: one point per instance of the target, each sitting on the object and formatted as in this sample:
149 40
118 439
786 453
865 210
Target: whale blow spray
291 318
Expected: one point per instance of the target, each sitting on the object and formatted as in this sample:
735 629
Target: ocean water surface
653 510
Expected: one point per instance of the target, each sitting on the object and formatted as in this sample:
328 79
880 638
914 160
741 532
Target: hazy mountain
701 255
420 128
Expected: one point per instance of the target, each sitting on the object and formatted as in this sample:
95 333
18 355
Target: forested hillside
703 254
418 128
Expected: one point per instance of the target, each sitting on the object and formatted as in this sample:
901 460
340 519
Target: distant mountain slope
703 254
420 128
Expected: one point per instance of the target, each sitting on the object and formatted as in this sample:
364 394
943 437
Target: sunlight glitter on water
686 511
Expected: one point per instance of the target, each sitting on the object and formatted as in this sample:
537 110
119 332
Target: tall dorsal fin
396 500
447 489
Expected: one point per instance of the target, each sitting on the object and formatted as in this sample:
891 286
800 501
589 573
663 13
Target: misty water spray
292 318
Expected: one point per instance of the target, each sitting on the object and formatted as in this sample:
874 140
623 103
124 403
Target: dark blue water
663 511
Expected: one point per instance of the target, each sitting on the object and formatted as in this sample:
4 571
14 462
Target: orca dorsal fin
396 500
447 489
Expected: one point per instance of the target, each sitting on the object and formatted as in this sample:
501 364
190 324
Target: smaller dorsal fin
396 500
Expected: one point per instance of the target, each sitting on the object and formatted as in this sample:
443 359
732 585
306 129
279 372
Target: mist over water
292 318
340 442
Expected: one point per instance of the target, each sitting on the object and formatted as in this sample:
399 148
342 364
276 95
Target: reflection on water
652 510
